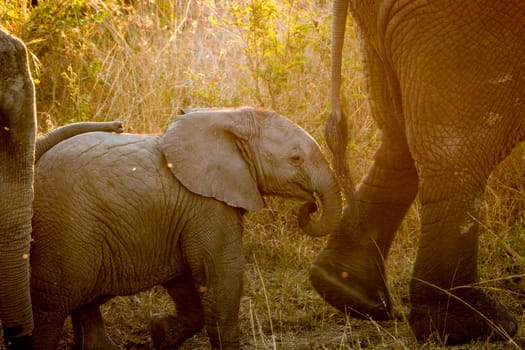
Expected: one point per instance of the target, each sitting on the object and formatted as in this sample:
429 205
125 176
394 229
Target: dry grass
141 64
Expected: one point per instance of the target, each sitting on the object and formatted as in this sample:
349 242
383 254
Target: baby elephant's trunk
327 189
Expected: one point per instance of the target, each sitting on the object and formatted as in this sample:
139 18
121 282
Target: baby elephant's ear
203 153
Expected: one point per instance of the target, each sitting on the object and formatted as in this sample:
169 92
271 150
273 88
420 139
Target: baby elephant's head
239 155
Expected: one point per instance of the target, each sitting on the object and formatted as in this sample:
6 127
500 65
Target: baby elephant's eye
296 160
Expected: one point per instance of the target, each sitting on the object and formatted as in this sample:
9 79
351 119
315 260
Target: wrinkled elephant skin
17 155
117 214
446 81
17 145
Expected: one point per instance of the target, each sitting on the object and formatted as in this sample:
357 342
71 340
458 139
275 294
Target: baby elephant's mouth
307 209
306 194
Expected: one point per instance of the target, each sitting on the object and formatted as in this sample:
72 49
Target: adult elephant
446 81
117 214
17 155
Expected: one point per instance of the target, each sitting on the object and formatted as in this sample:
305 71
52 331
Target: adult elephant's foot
352 281
169 331
468 315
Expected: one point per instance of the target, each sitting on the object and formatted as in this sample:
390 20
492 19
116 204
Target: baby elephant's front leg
213 253
220 283
221 299
221 309
169 331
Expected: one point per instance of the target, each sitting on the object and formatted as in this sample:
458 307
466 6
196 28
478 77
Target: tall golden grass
141 61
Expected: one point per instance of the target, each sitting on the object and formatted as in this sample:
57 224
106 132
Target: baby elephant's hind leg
169 331
88 327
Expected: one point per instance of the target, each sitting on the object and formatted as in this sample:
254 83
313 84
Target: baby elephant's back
97 197
96 150
96 160
97 172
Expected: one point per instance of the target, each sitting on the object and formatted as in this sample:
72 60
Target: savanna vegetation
141 61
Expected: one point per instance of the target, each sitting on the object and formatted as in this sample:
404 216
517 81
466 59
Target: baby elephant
115 214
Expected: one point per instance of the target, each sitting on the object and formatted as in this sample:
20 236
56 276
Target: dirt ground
271 318
327 329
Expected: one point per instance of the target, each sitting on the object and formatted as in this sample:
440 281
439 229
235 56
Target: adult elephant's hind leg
446 304
89 330
350 272
168 331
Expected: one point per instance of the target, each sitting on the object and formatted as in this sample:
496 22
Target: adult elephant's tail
47 141
336 130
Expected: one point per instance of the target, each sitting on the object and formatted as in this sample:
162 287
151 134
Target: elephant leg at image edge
17 137
350 272
169 331
89 330
446 304
16 334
